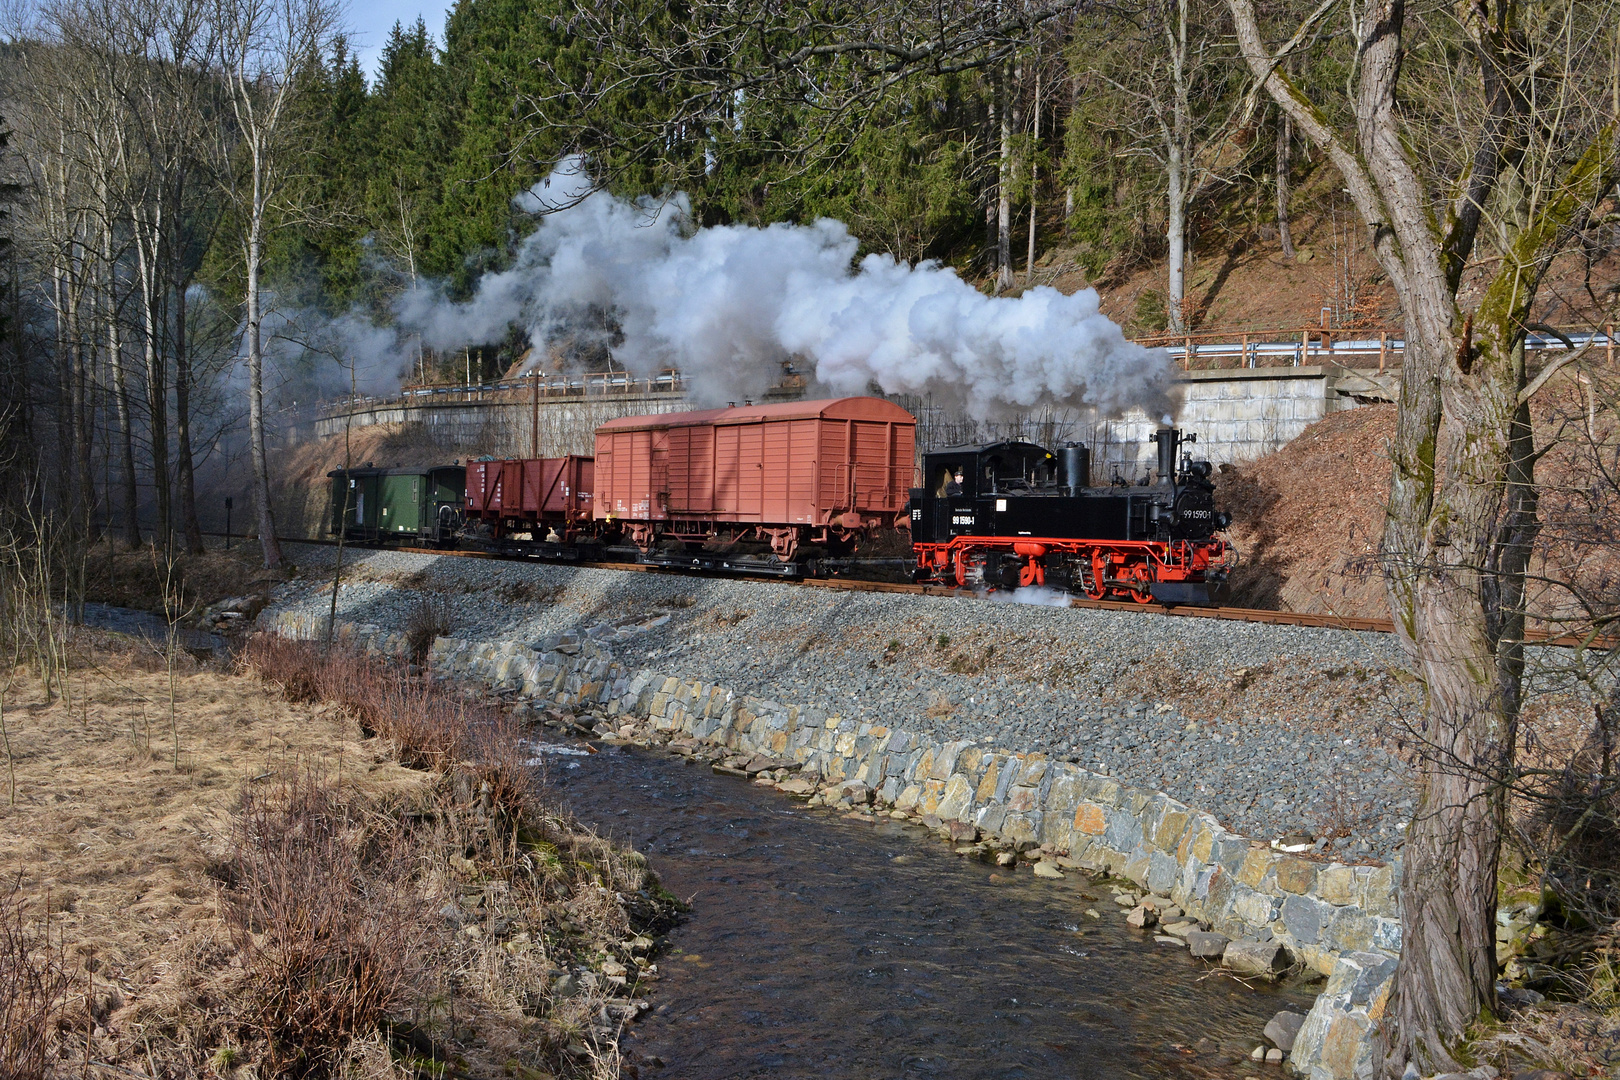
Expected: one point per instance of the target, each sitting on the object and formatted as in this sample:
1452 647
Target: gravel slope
1273 729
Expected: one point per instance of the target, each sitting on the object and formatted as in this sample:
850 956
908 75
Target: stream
819 946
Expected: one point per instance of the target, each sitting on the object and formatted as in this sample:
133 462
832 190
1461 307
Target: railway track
1230 614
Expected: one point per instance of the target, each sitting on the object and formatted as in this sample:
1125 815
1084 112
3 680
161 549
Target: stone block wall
1338 919
1239 414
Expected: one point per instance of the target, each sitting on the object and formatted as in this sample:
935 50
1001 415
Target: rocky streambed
826 944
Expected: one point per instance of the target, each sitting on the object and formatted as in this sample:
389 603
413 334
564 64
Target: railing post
1608 343
1187 354
1244 360
1383 349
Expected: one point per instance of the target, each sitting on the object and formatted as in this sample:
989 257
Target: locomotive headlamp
1222 519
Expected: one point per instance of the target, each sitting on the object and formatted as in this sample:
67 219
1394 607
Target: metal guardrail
1220 350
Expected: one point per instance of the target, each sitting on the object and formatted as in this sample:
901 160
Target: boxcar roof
371 470
849 408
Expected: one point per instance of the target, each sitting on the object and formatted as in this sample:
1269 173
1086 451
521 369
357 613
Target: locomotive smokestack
1168 439
1074 467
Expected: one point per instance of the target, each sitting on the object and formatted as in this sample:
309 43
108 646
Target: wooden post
1245 360
1383 349
1187 354
1304 347
1608 343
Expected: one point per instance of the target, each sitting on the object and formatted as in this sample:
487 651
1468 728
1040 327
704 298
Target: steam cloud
728 306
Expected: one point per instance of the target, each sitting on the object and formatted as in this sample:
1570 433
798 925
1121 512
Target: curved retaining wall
1340 920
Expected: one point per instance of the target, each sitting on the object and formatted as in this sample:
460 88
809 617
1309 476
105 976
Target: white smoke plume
728 306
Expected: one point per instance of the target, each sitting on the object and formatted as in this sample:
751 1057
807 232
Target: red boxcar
802 472
540 496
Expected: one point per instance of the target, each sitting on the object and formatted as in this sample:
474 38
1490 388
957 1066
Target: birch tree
1176 78
264 45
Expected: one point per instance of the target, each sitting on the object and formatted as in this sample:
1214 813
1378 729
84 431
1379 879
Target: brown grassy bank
340 871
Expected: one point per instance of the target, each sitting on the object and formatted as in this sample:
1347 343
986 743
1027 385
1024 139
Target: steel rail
1229 614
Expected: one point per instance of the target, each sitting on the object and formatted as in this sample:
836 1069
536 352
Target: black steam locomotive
1012 514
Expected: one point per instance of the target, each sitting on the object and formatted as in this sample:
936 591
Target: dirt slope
1307 519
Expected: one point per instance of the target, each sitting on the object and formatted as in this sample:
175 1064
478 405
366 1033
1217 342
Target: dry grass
297 899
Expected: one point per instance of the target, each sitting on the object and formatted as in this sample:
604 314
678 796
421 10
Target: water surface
822 947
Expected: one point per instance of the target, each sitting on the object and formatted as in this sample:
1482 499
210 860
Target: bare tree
1536 139
1285 135
167 48
1176 76
264 45
70 234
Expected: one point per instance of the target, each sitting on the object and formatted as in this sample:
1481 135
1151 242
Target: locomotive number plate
961 519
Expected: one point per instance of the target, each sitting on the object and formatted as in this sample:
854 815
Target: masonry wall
1238 414
1340 920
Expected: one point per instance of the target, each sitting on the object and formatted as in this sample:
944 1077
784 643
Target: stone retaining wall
1340 920
1239 414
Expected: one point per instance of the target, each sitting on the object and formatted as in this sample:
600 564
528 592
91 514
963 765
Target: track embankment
1274 728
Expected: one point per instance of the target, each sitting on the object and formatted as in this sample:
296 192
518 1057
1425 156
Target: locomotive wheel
1099 571
1141 589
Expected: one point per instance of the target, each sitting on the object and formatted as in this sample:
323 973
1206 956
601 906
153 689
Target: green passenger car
398 506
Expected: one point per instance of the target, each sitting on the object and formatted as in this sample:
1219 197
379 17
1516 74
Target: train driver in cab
953 486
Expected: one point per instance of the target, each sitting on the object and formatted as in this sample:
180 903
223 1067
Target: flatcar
419 506
1010 514
767 488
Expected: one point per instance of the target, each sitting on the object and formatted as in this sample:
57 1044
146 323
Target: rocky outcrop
1276 908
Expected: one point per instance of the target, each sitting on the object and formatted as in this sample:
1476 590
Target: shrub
323 913
34 986
430 617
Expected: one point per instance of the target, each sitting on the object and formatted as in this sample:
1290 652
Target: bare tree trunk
263 48
126 440
1029 259
1178 165
1284 138
67 346
1176 237
268 543
1004 270
157 383
182 420
83 435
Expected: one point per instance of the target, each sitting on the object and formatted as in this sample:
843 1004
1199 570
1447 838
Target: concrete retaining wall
1239 414
1340 920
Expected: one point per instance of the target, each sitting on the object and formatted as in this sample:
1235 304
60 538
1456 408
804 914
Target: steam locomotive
1013 514
778 489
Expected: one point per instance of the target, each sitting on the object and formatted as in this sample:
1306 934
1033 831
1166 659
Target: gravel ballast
1273 729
